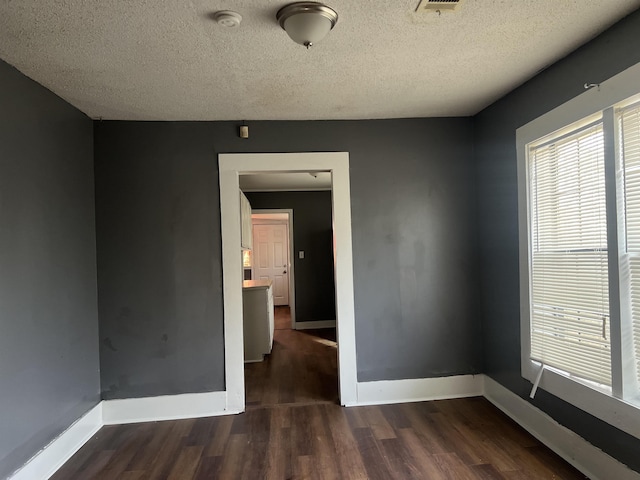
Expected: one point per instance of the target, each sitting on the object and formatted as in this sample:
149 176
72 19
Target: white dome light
307 22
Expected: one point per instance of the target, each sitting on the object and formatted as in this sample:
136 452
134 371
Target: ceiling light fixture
307 22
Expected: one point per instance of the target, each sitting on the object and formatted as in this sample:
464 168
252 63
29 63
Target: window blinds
629 141
569 277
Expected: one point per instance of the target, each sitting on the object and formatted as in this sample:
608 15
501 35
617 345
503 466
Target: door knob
284 271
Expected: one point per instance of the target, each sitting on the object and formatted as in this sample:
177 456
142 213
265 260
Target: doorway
276 260
230 167
271 259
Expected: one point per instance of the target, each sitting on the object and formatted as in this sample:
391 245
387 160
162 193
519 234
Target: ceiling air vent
437 5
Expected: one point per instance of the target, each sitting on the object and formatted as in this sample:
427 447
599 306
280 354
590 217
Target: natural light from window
579 223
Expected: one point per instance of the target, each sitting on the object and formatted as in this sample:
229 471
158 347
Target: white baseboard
165 407
587 458
47 461
419 389
318 324
112 412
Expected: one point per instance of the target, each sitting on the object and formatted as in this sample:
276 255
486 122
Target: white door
271 259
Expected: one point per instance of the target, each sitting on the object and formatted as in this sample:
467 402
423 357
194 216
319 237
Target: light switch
301 254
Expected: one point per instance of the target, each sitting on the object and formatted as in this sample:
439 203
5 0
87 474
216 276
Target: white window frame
607 407
628 361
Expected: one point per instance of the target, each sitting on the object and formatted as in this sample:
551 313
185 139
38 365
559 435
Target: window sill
614 411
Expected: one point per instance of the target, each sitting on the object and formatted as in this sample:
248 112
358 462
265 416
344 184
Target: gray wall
48 316
159 277
159 260
610 53
312 233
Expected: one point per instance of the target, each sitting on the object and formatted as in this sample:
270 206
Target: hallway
302 368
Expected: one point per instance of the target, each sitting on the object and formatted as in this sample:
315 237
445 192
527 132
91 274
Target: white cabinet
257 305
246 235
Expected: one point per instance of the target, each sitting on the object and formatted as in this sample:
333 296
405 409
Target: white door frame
291 268
230 167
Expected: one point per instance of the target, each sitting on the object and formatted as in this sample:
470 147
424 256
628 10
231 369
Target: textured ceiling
167 60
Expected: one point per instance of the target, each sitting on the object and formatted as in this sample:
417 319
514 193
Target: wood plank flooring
302 367
299 432
446 439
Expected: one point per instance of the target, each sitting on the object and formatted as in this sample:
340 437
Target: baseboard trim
587 458
165 407
318 324
419 389
48 460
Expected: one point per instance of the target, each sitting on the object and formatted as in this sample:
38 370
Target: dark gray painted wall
312 233
159 277
48 316
607 55
159 259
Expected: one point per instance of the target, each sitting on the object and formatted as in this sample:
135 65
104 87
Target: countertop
248 284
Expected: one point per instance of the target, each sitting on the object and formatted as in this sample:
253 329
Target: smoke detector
227 18
437 5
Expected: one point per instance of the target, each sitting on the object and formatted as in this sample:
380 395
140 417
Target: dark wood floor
302 367
291 432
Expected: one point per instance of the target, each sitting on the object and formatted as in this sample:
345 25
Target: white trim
47 461
230 166
269 190
615 411
292 258
316 324
524 256
232 273
164 407
260 221
587 458
419 389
